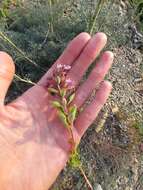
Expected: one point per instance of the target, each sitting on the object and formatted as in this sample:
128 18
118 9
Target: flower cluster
59 80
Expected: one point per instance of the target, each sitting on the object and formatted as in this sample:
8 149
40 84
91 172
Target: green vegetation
5 7
138 7
139 126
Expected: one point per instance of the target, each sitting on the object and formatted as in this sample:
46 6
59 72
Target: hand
33 141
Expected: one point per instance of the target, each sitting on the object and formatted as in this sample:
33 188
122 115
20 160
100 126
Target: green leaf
63 92
56 104
53 90
63 118
74 160
64 101
73 114
58 80
71 98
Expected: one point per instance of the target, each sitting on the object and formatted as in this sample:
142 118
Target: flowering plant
63 91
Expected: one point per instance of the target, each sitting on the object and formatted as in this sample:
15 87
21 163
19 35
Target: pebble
98 187
141 147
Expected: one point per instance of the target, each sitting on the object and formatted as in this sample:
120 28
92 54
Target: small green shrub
139 126
6 5
138 6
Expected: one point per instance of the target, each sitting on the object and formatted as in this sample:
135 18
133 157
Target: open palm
33 141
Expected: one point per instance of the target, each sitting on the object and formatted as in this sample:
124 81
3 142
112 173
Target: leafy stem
62 89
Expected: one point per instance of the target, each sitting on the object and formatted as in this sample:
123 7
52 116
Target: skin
33 141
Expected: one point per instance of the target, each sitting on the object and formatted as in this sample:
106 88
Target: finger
7 70
90 52
86 118
96 76
70 54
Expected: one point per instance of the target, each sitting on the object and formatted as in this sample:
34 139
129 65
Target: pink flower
69 84
59 66
67 67
68 81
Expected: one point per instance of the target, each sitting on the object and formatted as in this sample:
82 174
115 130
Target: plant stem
4 37
103 22
51 16
85 177
19 50
95 16
24 80
72 141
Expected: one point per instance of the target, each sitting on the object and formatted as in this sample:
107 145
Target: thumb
7 69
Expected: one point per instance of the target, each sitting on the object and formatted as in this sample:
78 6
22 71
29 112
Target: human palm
34 142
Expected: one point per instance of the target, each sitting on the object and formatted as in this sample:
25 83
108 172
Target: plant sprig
62 88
